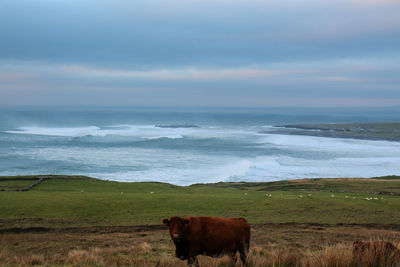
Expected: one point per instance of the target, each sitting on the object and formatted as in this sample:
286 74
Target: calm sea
186 146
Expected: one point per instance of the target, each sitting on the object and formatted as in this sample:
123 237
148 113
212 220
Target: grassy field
14 184
80 221
89 202
280 245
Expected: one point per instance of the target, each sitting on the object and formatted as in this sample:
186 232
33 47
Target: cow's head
176 226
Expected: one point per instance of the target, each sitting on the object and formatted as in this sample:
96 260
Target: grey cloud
200 52
215 34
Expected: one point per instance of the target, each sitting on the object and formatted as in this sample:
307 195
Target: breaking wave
182 149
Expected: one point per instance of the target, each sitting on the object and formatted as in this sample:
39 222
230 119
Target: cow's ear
165 221
186 221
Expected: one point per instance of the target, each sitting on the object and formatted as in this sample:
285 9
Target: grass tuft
339 255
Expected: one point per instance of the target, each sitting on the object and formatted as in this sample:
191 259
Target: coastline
363 131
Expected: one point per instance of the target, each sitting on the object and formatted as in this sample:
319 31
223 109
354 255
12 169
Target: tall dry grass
378 256
144 254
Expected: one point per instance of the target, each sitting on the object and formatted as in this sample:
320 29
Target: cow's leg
243 255
193 259
233 256
243 258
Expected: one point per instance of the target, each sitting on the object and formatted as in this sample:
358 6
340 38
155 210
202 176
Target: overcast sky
245 53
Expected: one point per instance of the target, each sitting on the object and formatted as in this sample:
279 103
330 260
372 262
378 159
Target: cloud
165 34
377 2
14 77
176 74
208 51
331 78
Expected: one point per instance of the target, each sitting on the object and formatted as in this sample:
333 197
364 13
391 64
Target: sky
218 53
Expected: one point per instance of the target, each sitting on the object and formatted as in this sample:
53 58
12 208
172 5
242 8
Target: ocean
189 145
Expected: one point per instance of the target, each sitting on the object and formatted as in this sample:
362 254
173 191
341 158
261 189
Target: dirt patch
150 228
96 229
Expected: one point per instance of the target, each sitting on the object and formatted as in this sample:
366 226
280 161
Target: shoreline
360 131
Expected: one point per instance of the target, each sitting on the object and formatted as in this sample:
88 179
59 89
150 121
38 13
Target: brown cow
378 248
211 236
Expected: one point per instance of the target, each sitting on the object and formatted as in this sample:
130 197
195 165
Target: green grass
377 185
90 202
387 127
13 184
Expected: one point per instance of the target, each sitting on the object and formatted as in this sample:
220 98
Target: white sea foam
187 167
248 156
138 131
73 131
341 145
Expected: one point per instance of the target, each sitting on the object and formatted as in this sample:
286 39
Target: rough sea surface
188 146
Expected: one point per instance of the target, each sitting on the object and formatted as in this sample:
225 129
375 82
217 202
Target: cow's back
213 235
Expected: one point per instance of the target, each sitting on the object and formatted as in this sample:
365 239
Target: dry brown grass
378 256
275 246
331 256
339 255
